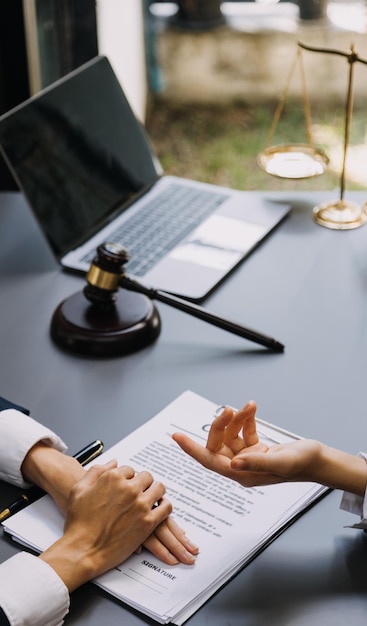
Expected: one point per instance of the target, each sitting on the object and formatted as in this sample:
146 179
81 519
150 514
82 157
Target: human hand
170 544
57 473
234 450
109 515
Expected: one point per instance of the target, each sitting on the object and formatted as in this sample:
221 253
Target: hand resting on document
109 513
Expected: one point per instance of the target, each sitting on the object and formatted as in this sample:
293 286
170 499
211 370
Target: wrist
344 471
69 562
53 471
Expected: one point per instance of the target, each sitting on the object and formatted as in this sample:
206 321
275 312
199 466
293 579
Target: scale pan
293 161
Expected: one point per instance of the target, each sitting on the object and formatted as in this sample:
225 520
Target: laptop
88 171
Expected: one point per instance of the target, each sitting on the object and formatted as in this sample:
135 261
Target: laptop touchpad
219 242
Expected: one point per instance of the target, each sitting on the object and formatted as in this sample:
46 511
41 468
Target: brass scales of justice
305 160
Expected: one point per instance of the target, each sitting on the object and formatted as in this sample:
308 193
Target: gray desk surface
307 287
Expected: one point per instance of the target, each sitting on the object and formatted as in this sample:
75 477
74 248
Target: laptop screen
78 153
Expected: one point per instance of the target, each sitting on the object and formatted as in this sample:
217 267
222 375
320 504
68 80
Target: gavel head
105 274
104 320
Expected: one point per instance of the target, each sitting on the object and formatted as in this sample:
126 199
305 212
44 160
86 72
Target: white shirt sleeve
18 434
31 593
356 504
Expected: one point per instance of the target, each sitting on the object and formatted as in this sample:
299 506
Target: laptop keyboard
161 224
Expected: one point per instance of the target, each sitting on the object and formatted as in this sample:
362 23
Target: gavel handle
201 313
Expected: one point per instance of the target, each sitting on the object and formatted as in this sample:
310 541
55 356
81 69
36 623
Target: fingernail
193 546
238 464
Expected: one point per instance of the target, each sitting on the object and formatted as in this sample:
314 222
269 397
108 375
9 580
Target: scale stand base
340 215
129 324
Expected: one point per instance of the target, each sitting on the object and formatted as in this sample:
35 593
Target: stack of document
228 522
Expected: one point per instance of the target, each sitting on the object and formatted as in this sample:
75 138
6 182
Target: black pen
32 494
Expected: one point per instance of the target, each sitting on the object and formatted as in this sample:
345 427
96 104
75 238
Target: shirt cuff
31 592
356 504
19 433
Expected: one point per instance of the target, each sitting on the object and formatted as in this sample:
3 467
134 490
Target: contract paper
228 522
